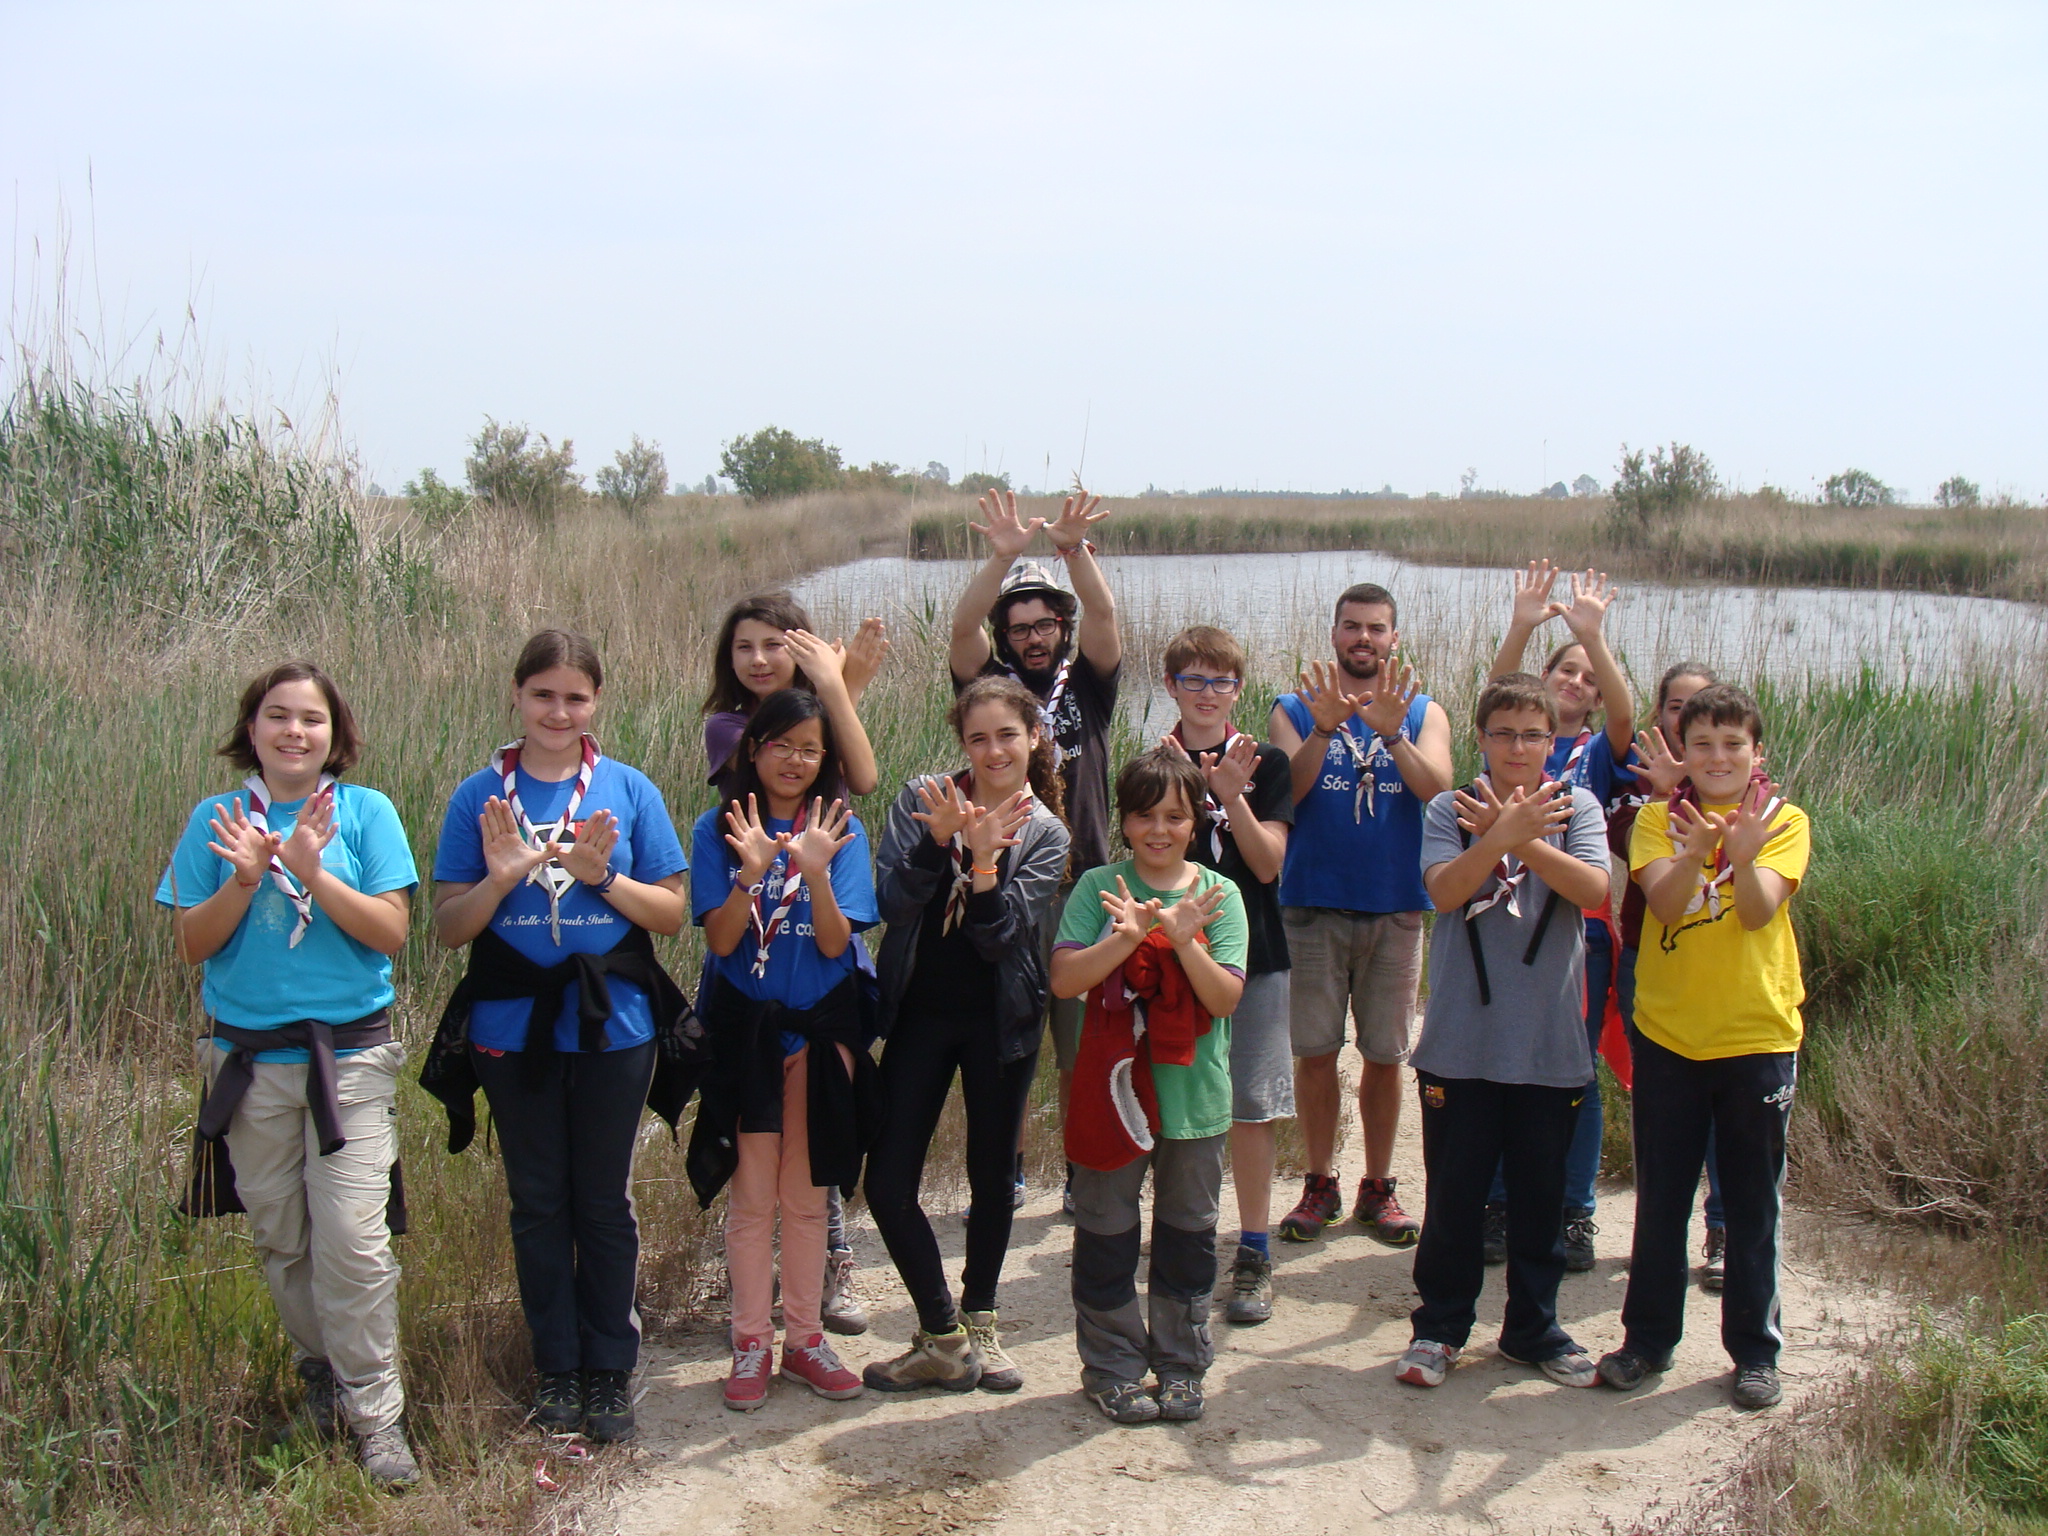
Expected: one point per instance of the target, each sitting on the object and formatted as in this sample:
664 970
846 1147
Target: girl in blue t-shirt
294 892
782 886
555 865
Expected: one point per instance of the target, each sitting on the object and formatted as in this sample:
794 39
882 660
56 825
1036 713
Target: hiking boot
813 1363
1493 1234
1251 1287
1426 1363
1623 1369
946 1360
558 1402
608 1406
1321 1203
1124 1402
1756 1386
322 1406
1573 1368
999 1373
1377 1208
386 1459
1180 1399
1578 1238
1714 1273
842 1310
746 1387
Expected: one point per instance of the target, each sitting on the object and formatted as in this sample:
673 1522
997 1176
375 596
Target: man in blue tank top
1368 752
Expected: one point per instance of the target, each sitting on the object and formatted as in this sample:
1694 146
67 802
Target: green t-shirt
1194 1101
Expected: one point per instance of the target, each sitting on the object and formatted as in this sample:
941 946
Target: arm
1007 538
811 853
1425 763
1669 883
199 932
1263 843
1532 605
999 918
825 667
464 908
1304 754
1074 971
1101 641
1216 987
379 921
864 653
1759 892
726 923
830 927
909 865
1590 599
1583 885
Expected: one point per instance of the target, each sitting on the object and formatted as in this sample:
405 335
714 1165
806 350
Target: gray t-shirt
1534 1030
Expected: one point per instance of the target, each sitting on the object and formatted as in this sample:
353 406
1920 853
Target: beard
1038 679
1350 668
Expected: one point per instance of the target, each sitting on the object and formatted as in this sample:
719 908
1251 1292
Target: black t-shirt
1271 797
1080 725
949 978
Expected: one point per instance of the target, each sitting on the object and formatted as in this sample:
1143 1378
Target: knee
1183 1263
1105 1268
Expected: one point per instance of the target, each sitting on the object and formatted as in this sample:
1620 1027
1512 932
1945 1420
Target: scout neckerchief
1509 874
1572 759
1720 872
963 866
788 884
1362 760
1049 706
548 875
295 893
1219 814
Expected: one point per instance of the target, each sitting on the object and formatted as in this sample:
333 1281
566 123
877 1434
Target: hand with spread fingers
1006 535
946 808
312 832
1078 513
1531 817
748 836
824 834
589 857
1478 809
236 840
1329 704
1751 824
823 663
508 856
1655 764
994 828
1183 922
1387 705
1696 831
1533 606
1592 595
1130 918
864 655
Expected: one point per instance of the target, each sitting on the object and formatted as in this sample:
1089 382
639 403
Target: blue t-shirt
1597 770
798 973
257 980
646 851
1352 851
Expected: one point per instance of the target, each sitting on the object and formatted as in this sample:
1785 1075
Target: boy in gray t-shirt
1511 863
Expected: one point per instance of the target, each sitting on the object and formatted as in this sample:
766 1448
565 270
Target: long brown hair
347 744
553 648
1043 773
778 610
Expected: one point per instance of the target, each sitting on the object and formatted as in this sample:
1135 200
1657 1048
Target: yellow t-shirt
1707 987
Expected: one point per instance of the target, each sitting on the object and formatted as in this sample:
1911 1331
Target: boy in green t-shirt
1158 945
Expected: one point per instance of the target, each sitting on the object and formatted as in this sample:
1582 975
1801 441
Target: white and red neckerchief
1507 889
548 875
1719 872
1219 814
295 893
1049 706
1572 758
963 867
789 888
1363 759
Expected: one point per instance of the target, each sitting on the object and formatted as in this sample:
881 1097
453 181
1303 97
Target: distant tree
936 475
435 502
1956 492
710 487
1650 488
1468 483
775 463
880 475
636 475
1556 492
1857 488
517 468
1585 485
982 481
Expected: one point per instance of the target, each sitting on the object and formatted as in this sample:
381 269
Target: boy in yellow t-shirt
1716 1039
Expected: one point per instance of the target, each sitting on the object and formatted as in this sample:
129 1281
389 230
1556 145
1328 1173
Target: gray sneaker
842 1310
944 1360
386 1459
1180 1399
1756 1386
1124 1402
999 1373
1578 1239
1714 1273
1251 1287
322 1407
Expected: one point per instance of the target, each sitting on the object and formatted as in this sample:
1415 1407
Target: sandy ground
1306 1428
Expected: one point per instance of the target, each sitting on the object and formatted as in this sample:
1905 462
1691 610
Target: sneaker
1623 1369
1426 1363
1180 1399
815 1365
1714 1273
1578 1238
999 1373
747 1386
608 1406
946 1360
1756 1386
1573 1368
1379 1209
1321 1203
1124 1402
322 1406
1251 1287
1067 1193
842 1310
1493 1234
558 1402
386 1459
1018 1194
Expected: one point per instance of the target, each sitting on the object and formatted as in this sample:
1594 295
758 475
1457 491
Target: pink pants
776 1169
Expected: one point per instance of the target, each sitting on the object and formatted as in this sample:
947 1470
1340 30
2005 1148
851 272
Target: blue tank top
1357 839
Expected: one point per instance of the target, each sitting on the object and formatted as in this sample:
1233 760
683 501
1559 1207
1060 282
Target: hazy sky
1306 246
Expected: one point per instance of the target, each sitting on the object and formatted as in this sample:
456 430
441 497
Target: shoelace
820 1354
749 1358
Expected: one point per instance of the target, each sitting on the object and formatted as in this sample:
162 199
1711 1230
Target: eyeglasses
783 752
1044 629
1518 738
1194 682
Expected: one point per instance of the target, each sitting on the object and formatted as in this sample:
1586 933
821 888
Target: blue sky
1305 246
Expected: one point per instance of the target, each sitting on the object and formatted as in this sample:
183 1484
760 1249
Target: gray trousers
1116 1340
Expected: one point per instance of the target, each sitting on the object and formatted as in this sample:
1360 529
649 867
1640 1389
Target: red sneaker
1321 1203
747 1386
815 1365
1377 1208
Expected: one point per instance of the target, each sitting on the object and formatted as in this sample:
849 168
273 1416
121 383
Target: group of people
1196 926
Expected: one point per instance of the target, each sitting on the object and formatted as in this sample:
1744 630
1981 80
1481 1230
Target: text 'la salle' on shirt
1356 849
257 980
647 851
798 973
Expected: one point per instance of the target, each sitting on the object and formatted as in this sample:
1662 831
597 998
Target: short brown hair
557 648
1204 643
1150 778
342 753
1514 690
1368 594
1722 704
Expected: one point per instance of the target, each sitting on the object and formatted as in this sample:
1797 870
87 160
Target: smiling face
1364 637
789 766
555 709
292 732
999 747
1515 743
1204 714
1571 682
1159 836
1719 759
1676 694
761 658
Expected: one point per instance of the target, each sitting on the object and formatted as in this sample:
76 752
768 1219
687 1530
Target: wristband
978 870
610 878
248 885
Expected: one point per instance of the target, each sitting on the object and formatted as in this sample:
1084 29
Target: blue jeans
1625 999
1582 1161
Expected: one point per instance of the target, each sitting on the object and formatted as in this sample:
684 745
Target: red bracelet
248 885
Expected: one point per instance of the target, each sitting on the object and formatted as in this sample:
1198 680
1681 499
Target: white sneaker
1426 1363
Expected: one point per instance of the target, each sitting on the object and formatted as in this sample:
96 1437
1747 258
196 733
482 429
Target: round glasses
784 752
1044 629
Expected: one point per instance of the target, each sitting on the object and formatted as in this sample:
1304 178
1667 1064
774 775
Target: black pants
567 1142
1470 1127
1747 1102
924 1051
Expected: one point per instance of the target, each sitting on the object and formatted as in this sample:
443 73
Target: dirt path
1306 1429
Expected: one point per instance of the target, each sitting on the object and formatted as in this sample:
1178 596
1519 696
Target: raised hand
508 856
994 828
946 809
865 653
1322 690
822 663
1529 818
589 858
1005 534
1185 919
1077 515
1656 766
236 840
1592 593
1696 831
1751 824
1129 917
1230 771
750 838
1387 705
824 834
313 831
1533 605
1477 813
